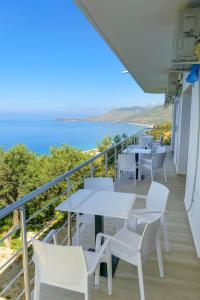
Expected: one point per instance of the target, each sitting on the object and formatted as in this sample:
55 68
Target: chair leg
140 277
109 269
37 289
97 272
164 170
159 254
165 231
139 173
151 174
77 230
134 179
87 294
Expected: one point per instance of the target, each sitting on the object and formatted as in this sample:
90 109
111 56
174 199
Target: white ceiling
140 32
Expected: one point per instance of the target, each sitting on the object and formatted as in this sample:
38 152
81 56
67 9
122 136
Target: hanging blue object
193 76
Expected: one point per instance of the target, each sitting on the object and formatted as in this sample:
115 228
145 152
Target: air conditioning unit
188 31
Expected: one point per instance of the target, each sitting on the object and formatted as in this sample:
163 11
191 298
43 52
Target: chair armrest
140 196
143 215
144 211
100 252
146 160
50 236
112 238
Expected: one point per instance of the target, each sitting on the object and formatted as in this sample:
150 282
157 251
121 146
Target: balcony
182 266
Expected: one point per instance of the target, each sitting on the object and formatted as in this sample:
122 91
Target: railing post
122 147
69 225
22 212
106 164
115 162
92 170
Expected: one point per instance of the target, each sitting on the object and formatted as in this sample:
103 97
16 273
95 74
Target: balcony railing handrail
25 199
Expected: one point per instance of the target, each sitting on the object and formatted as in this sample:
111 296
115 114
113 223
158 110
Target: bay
40 134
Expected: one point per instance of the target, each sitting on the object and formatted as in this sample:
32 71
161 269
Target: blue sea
40 134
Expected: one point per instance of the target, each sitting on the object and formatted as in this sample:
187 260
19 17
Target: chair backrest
160 149
126 162
99 184
145 141
158 160
154 147
157 197
148 239
62 266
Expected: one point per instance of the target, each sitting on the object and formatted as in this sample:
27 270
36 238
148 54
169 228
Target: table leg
99 227
69 229
137 168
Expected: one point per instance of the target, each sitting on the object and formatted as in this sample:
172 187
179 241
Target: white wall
183 108
174 125
192 192
176 111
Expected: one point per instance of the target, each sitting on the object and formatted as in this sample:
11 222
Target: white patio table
100 204
137 151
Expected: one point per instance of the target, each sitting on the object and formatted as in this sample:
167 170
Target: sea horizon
40 134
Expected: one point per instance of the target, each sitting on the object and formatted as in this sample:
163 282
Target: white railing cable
44 207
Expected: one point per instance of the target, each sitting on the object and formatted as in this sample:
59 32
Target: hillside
136 114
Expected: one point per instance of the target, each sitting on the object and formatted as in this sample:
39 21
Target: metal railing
23 256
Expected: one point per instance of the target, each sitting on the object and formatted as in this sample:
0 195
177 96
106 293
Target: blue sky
52 62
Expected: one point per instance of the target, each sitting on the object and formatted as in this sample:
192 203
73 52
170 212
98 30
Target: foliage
163 130
117 139
23 171
105 144
124 136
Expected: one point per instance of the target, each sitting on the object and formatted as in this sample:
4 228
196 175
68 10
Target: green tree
117 138
164 130
22 171
124 136
16 172
105 144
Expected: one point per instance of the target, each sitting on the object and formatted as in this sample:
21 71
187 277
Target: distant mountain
136 114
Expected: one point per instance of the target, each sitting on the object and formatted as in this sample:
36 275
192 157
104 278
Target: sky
53 62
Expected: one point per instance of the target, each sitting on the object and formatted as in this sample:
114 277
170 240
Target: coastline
97 121
40 135
146 125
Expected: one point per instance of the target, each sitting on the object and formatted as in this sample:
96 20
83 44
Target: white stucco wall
183 107
192 192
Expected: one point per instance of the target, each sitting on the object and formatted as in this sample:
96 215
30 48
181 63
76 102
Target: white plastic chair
145 141
126 163
156 162
97 184
156 203
160 149
68 267
154 147
135 249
